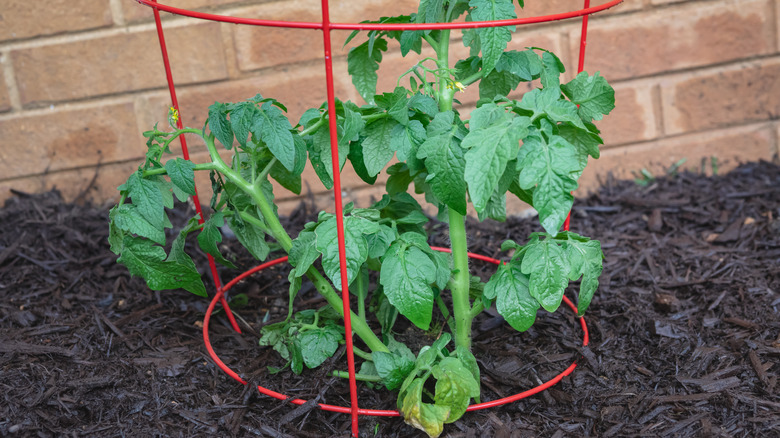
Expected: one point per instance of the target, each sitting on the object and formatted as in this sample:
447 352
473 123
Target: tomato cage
326 26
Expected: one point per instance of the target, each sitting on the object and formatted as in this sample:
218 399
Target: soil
685 334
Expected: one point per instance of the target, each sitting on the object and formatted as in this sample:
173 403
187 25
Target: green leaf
126 217
585 258
424 104
275 335
242 117
445 162
385 313
522 194
470 362
211 236
586 143
147 198
377 146
492 142
465 68
406 275
406 141
289 180
356 249
115 234
595 97
548 167
349 124
411 40
424 416
430 11
317 157
455 386
552 67
362 64
219 124
296 355
179 256
443 269
526 65
147 260
182 174
165 188
514 302
493 40
304 252
356 158
392 368
548 102
396 104
379 242
251 237
273 128
496 84
546 264
319 344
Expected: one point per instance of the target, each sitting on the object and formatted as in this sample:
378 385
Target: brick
261 47
633 118
730 147
739 94
678 37
67 139
134 11
25 19
118 63
297 88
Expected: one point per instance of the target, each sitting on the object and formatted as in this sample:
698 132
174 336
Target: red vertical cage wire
326 26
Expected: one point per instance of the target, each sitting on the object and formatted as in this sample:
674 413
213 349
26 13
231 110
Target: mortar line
10 82
116 12
708 133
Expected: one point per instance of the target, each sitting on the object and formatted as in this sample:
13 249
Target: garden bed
685 333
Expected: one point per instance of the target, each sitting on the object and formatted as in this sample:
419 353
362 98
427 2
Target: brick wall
81 79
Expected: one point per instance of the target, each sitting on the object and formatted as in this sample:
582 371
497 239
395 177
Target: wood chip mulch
685 330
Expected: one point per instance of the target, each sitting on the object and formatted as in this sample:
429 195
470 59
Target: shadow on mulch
685 334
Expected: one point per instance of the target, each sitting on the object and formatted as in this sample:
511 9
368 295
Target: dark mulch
685 334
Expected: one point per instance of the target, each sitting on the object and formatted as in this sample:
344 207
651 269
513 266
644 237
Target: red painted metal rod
186 155
580 68
337 200
372 412
382 26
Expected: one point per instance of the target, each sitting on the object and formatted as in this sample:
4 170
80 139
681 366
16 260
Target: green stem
461 305
162 171
434 43
362 292
362 354
277 231
358 376
313 127
359 326
259 178
478 307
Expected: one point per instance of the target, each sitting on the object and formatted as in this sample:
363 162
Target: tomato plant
534 148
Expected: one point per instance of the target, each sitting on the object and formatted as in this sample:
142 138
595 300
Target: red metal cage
326 26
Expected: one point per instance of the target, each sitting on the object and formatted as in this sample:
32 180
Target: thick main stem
461 305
